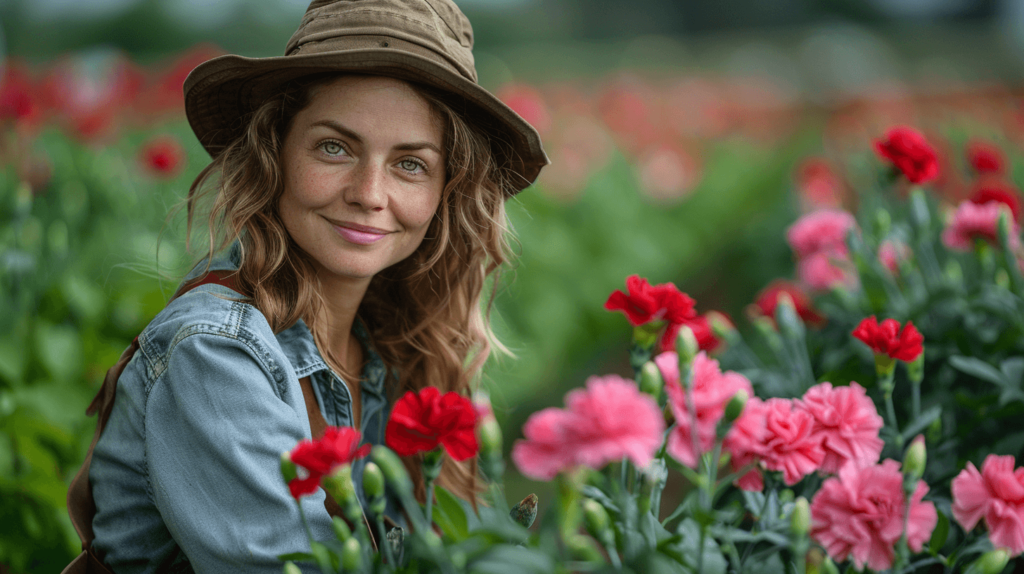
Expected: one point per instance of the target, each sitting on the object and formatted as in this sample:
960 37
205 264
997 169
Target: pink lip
360 234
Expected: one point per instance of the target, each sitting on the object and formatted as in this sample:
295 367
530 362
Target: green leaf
60 350
922 422
12 362
449 515
939 535
712 561
505 559
770 565
978 368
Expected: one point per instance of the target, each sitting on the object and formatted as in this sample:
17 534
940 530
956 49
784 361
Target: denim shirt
186 475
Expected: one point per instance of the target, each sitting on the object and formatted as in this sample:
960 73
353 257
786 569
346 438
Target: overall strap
81 506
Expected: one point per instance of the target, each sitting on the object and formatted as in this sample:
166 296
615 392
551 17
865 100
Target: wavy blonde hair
426 314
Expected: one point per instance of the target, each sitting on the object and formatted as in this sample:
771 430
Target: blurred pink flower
995 494
861 513
824 270
891 253
528 102
609 420
791 446
711 391
848 423
546 450
745 444
822 230
972 221
818 184
668 172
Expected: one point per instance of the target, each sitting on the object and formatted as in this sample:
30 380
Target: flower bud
291 568
373 481
351 555
432 461
915 369
800 520
650 380
288 468
915 459
884 365
646 336
339 483
341 529
489 432
595 517
734 408
525 512
582 548
686 347
722 327
393 469
829 567
991 562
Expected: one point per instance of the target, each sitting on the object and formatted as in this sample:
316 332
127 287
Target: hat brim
220 93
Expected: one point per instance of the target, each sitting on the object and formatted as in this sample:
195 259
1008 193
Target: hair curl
425 314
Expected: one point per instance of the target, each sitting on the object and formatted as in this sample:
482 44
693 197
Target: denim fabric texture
186 476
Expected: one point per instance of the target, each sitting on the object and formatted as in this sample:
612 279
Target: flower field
845 336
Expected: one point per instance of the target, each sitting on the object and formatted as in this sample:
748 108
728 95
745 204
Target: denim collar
297 341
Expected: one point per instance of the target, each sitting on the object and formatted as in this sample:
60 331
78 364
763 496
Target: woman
357 186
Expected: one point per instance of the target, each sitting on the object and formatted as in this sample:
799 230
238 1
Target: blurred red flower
706 339
162 156
422 421
646 302
993 190
338 446
768 299
19 98
888 339
165 93
910 152
818 184
985 157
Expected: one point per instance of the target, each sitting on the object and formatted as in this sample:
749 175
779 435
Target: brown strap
81 506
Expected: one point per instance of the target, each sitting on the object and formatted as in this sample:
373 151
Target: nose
366 189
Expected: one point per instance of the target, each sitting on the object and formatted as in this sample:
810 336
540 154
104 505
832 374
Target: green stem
305 523
430 502
890 410
385 544
915 388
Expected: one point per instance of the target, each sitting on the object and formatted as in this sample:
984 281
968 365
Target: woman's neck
341 299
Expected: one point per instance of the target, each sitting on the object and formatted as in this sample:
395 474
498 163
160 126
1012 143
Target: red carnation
1004 193
706 339
422 421
768 299
985 157
907 149
162 156
888 339
338 446
646 302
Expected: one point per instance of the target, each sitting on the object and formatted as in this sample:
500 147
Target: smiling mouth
358 234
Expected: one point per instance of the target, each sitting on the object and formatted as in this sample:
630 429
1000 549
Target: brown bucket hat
424 41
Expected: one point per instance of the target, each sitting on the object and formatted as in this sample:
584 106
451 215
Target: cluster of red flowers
646 304
318 458
889 339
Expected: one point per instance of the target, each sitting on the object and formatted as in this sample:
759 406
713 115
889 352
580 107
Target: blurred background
685 136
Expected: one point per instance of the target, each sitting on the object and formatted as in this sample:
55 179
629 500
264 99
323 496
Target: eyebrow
411 146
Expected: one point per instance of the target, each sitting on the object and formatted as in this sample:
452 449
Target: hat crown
437 25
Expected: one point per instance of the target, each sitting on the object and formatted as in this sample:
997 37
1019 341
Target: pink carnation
712 390
995 494
609 420
745 444
792 445
824 270
972 221
822 230
861 514
891 253
847 422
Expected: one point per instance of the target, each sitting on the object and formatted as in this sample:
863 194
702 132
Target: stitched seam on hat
420 23
455 34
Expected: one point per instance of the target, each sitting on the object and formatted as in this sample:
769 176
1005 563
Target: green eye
409 165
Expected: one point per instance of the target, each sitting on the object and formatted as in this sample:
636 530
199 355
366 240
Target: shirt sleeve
215 431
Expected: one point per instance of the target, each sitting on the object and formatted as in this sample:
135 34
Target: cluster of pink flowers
819 241
824 431
861 514
979 221
996 494
609 420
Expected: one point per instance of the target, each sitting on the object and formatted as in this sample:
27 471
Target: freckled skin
366 176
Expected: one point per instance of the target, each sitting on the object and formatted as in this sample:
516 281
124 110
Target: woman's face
363 174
